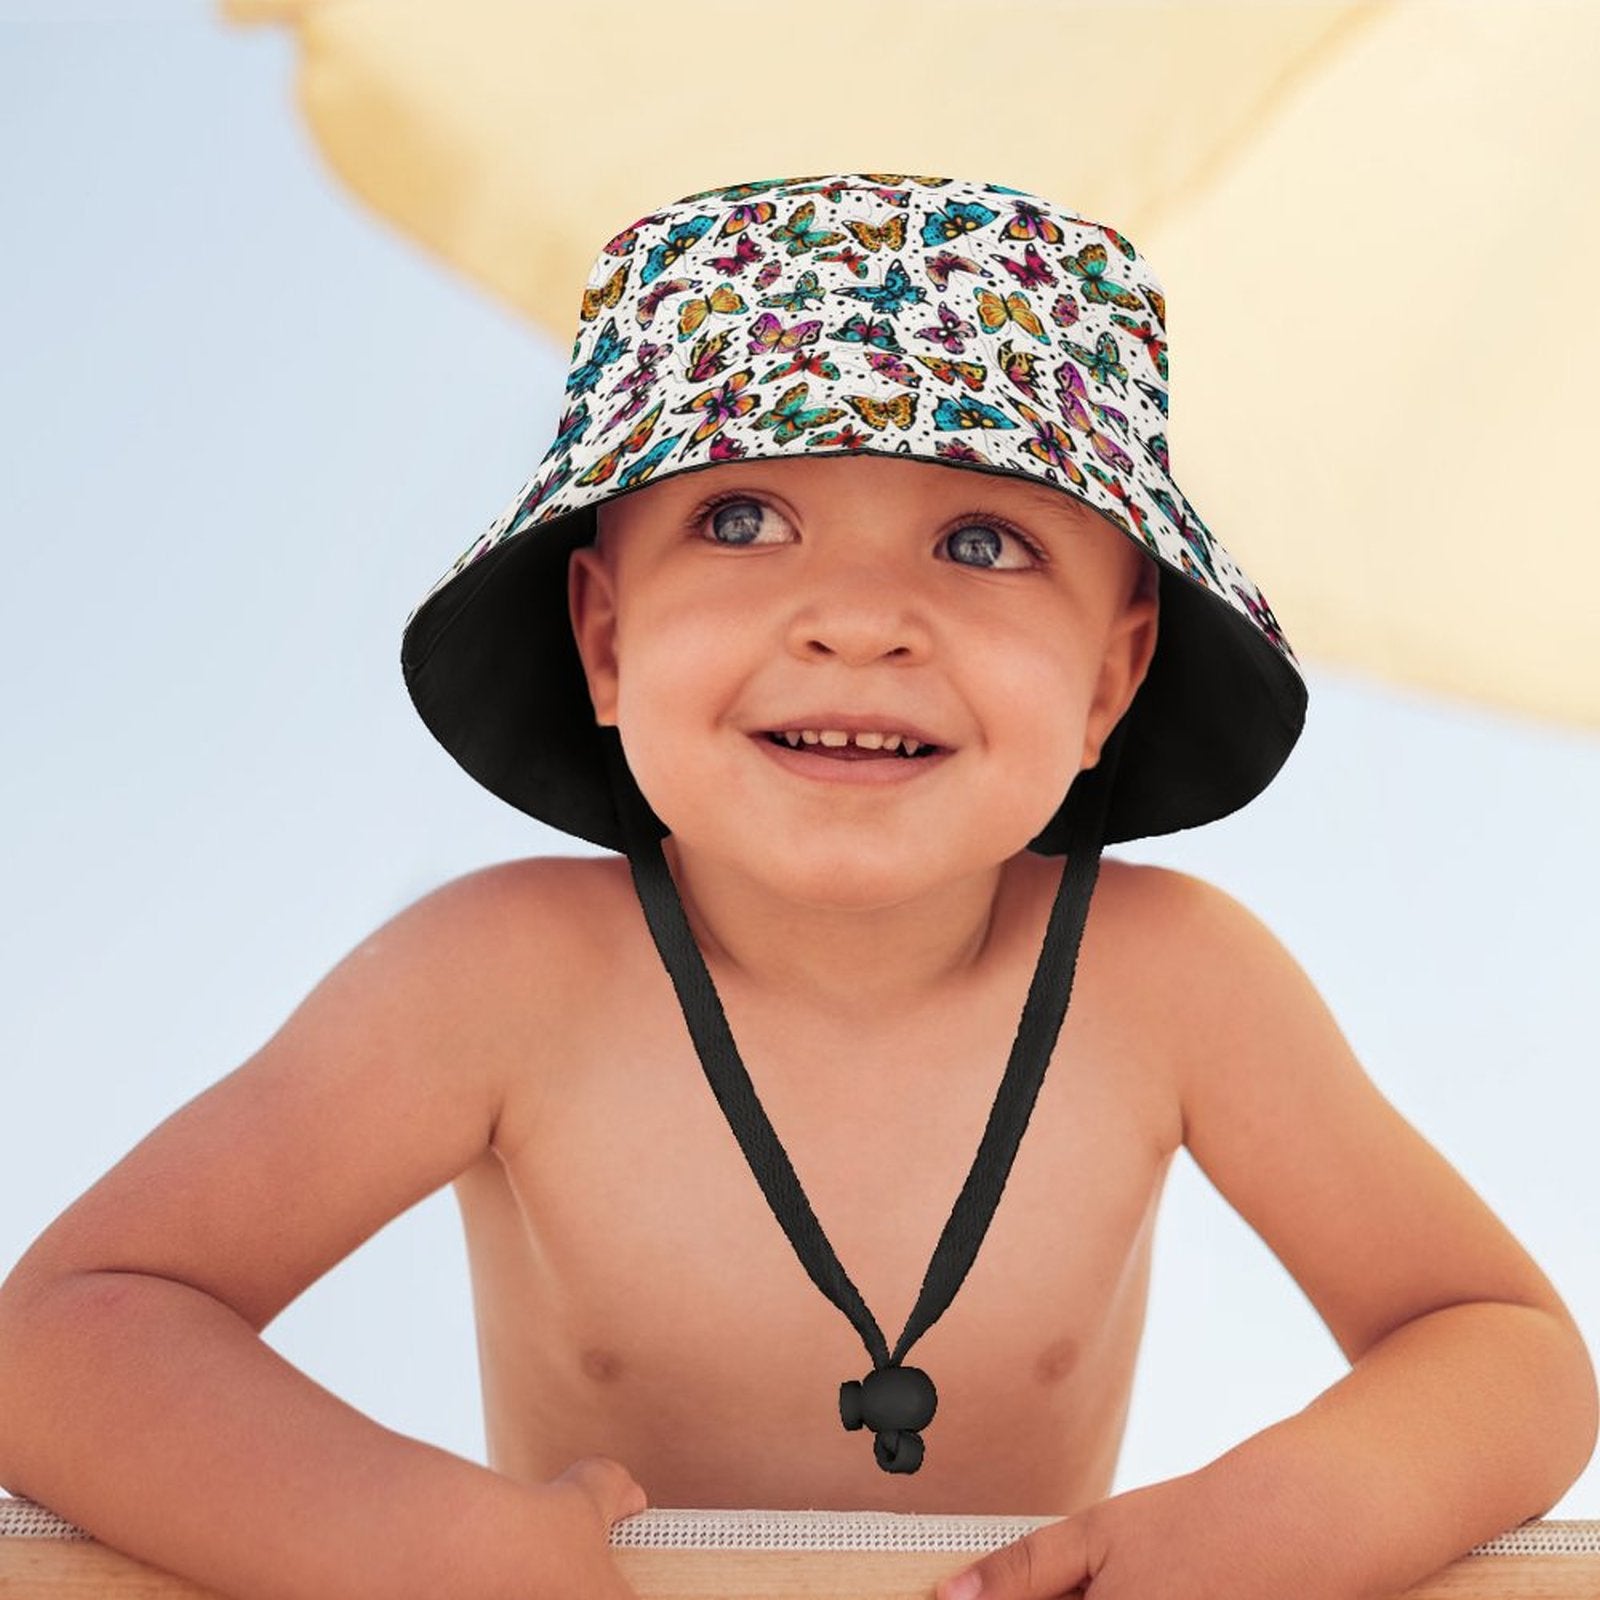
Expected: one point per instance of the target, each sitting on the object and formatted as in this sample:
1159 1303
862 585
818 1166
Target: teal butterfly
1102 362
806 295
1090 265
790 418
957 218
646 465
894 294
677 243
952 414
858 330
609 347
798 234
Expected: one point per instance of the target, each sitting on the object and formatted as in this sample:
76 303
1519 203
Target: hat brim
494 672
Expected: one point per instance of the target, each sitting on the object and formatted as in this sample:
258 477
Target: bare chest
636 1297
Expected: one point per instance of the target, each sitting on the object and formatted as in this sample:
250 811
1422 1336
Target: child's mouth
852 752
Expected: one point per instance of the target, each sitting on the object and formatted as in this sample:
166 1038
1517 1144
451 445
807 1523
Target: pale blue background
245 426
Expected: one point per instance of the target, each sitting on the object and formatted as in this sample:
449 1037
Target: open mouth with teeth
891 748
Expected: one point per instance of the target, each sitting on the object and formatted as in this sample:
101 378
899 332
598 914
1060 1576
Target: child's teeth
837 739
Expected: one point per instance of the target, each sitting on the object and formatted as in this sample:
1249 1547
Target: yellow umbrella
1374 223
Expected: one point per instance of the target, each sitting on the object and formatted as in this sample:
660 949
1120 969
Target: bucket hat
964 323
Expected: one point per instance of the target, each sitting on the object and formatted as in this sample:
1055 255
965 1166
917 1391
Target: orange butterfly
596 300
971 373
902 410
891 235
722 298
994 312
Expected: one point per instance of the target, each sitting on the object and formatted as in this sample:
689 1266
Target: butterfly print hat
965 323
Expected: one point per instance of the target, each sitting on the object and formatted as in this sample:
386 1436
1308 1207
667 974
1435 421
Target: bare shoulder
388 1080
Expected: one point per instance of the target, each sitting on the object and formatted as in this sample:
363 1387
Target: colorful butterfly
650 301
609 347
849 437
1018 366
724 298
1029 222
957 218
707 356
890 235
994 312
952 414
901 410
574 424
806 295
646 359
951 333
1090 265
1124 245
798 233
814 363
859 265
677 243
745 254
893 295
1156 448
1050 443
892 368
971 373
959 450
1191 530
747 216
1154 345
767 334
1031 271
1103 362
856 329
1155 395
636 440
939 268
644 468
789 418
595 300
725 403
624 243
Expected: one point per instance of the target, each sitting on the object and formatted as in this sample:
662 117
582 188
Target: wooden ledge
787 1555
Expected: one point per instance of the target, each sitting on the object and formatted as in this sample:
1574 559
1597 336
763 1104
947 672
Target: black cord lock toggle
894 1402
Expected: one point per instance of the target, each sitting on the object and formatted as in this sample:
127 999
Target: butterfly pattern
961 322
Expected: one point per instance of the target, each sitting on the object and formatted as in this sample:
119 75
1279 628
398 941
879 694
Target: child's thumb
609 1484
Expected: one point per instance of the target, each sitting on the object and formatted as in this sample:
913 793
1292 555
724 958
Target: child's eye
980 535
734 518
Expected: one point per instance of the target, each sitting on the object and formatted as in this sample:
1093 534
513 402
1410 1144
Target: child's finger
1049 1563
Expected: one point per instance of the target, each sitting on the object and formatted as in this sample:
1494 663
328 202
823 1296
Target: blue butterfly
647 464
1153 392
954 414
676 244
955 219
894 294
858 330
608 348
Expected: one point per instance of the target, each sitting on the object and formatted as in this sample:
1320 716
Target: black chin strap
895 1401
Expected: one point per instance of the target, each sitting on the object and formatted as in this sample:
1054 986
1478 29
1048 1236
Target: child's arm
136 1398
1471 1405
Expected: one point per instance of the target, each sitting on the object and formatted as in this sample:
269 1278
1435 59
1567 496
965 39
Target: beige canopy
1376 225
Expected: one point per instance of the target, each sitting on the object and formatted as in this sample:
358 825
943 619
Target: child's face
869 585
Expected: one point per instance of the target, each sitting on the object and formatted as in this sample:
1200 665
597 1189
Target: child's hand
590 1496
1156 1543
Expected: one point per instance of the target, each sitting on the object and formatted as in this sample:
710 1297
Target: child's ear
1130 647
592 606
